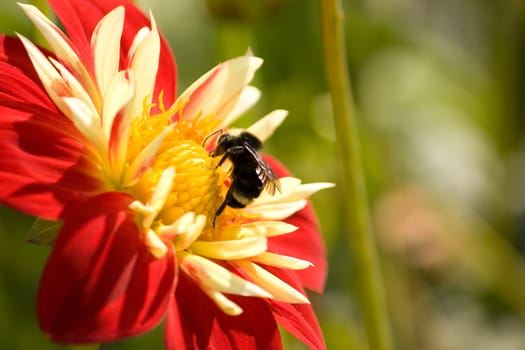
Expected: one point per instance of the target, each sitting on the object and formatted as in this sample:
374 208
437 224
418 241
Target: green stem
361 236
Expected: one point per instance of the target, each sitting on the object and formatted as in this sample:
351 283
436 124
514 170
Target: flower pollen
195 187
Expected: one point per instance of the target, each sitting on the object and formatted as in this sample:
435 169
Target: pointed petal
199 324
219 89
16 62
119 92
265 126
54 36
298 319
282 261
144 63
213 276
229 250
86 122
311 247
44 164
80 17
279 289
101 283
106 47
248 97
60 44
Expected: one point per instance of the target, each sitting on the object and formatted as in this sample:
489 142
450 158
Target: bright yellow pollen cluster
197 186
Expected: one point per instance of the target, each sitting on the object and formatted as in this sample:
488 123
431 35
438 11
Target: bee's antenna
210 136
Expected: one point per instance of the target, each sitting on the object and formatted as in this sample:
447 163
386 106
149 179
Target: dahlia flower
94 139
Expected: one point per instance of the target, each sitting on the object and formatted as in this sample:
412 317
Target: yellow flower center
196 186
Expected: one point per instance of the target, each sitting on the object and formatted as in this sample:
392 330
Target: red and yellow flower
92 134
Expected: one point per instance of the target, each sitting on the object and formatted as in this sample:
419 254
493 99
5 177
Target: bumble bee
250 172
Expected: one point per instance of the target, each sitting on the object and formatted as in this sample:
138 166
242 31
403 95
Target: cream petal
155 245
163 189
265 126
291 199
144 63
276 211
75 87
219 87
105 42
282 261
154 205
184 231
56 39
271 228
291 190
256 229
280 290
247 99
139 37
119 92
215 277
226 305
53 82
87 123
229 250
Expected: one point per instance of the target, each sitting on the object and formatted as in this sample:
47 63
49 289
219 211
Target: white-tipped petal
105 42
75 88
267 228
258 228
229 250
184 231
86 122
156 247
226 305
280 290
291 199
145 64
248 97
282 261
276 211
57 41
49 76
215 277
265 126
163 188
119 92
306 190
218 91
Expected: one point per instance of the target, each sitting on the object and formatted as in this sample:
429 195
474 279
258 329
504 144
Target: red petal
43 163
101 283
15 61
194 322
305 243
298 319
80 17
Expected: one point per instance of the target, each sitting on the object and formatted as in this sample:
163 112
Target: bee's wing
266 175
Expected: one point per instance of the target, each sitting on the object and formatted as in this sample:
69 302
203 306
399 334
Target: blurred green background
439 89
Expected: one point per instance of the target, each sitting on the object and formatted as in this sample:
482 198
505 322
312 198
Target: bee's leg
229 152
226 155
223 204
